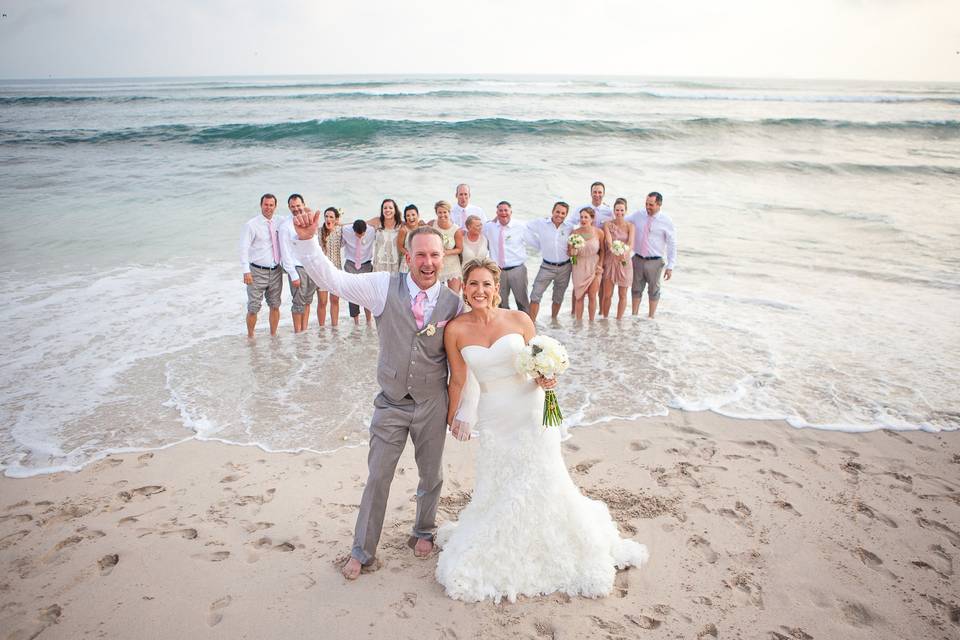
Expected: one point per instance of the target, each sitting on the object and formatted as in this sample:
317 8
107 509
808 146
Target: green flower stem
552 417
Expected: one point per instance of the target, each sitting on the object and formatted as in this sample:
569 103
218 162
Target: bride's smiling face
480 289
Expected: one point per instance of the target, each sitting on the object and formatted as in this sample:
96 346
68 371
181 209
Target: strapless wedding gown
527 530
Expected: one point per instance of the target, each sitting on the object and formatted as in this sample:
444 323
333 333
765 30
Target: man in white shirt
655 251
463 209
358 242
260 260
508 249
549 236
302 288
601 208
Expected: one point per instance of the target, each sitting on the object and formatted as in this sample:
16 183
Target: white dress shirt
662 239
287 256
255 245
458 214
603 213
550 241
514 243
369 290
350 240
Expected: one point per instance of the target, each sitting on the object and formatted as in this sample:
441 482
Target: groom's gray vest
412 364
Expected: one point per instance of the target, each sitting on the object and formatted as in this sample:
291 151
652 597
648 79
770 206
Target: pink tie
645 238
356 252
274 242
501 256
418 308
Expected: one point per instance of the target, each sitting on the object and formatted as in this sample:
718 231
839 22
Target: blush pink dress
586 268
613 267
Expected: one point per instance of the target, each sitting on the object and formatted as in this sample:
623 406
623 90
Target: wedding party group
602 250
455 359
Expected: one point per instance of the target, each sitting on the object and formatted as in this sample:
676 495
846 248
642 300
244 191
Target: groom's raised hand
306 224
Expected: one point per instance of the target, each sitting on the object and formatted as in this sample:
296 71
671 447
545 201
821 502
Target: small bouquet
620 250
576 243
449 242
545 357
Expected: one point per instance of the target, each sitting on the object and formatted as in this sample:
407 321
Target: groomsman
508 250
358 250
549 236
602 209
463 209
260 260
302 288
655 251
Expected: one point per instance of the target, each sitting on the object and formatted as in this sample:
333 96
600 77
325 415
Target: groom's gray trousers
425 422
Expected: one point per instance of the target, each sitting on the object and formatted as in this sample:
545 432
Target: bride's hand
546 383
460 430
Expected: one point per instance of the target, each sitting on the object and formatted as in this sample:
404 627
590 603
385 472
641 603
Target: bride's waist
513 382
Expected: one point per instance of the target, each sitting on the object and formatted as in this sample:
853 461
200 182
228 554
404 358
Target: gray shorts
514 280
302 295
350 267
646 272
559 275
267 282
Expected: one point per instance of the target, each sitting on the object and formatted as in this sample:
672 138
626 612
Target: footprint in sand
640 445
872 561
9 540
759 444
702 545
216 610
215 556
621 584
143 492
186 534
18 517
786 506
267 543
144 459
584 467
709 631
745 584
868 511
233 477
262 499
45 617
858 615
107 563
253 527
409 600
790 633
642 621
784 478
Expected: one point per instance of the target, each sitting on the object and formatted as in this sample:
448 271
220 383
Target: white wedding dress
527 530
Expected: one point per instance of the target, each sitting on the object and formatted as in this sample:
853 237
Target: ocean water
818 278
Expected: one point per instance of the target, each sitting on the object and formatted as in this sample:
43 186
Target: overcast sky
868 39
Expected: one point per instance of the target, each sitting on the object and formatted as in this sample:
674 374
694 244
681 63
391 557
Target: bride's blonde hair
489 265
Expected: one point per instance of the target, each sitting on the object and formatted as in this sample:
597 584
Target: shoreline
753 528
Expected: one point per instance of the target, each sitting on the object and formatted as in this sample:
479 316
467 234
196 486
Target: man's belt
265 268
556 264
647 257
508 268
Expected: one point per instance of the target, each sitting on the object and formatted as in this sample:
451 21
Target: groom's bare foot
423 548
351 570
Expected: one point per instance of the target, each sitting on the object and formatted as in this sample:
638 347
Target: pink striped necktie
645 238
274 242
418 303
356 252
501 255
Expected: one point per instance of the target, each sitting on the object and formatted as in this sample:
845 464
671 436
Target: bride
527 530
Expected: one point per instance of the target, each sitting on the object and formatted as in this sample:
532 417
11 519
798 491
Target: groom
411 310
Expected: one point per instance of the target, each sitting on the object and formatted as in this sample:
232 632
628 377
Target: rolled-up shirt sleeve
369 290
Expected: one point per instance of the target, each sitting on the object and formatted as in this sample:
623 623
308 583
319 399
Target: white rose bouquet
548 358
576 243
620 250
449 242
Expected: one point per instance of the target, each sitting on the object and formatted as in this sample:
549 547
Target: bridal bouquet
576 243
620 250
545 357
449 242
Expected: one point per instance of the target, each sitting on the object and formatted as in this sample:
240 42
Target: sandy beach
755 529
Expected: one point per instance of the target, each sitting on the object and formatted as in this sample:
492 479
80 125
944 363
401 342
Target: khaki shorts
647 272
266 282
302 295
559 275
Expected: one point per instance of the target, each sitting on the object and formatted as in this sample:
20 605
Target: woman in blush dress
411 220
588 269
617 270
528 530
452 245
474 242
385 254
331 240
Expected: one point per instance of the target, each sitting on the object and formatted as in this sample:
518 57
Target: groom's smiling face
425 259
